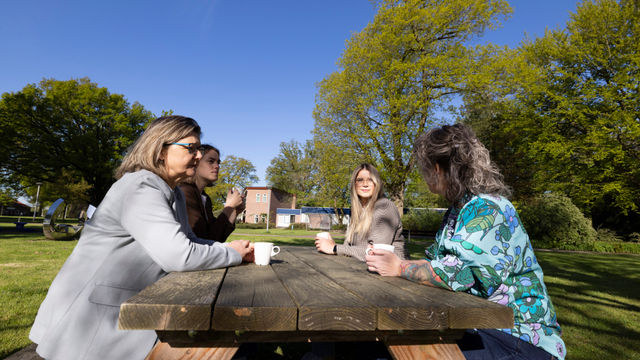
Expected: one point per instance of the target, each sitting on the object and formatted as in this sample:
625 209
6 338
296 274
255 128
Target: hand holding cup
324 242
385 247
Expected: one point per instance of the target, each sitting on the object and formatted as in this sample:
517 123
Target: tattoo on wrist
421 273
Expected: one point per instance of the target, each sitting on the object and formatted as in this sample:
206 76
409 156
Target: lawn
597 296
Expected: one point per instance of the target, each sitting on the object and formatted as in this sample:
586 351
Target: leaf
505 233
480 223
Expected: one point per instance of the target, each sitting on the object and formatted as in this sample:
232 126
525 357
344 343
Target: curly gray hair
464 159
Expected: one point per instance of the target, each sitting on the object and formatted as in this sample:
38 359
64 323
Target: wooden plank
164 351
179 301
426 352
230 338
253 298
466 311
397 309
322 304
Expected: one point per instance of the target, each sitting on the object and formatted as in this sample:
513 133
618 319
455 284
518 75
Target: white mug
324 235
263 251
386 247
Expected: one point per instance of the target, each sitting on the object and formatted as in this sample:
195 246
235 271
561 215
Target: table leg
163 351
431 351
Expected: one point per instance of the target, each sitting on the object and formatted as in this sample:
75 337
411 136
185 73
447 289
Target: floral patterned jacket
484 250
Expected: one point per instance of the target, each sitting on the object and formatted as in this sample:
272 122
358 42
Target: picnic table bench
20 226
304 296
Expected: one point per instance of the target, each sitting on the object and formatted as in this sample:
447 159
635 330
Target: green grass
28 264
597 296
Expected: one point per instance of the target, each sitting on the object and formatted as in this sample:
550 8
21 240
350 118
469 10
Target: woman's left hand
383 262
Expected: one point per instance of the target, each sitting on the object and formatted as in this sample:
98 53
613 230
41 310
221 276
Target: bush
607 235
616 247
422 220
553 221
634 237
251 226
299 226
341 227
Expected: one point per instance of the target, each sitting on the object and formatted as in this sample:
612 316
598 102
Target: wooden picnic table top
303 296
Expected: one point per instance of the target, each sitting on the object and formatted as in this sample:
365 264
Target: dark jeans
493 344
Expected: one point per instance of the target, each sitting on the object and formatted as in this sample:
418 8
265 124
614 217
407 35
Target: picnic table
20 226
305 296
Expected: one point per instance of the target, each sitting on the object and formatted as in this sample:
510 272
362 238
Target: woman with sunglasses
138 234
199 207
374 218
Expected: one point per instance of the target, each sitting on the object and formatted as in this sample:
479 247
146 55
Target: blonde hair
145 151
464 159
362 216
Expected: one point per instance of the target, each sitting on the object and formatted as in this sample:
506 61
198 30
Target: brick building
266 199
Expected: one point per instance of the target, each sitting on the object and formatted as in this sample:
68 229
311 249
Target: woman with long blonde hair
374 218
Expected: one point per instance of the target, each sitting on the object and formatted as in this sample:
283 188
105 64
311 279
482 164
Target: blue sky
245 70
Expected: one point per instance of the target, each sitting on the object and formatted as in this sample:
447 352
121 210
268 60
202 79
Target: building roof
282 211
324 210
265 188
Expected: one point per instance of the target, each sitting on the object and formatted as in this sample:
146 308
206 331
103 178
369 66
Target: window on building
256 218
264 197
257 198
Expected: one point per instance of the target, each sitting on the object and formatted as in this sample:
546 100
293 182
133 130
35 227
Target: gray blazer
138 234
386 228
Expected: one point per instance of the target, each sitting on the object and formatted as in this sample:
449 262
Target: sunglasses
192 148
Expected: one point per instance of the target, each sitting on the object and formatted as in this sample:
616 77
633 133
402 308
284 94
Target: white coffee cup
324 235
386 247
263 251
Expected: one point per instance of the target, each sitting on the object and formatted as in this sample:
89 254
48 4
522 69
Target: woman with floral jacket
482 248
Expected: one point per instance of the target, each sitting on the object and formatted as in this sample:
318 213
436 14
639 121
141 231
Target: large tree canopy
234 172
397 74
294 170
572 123
73 126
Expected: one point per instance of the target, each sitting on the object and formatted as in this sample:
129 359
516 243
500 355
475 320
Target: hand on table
325 244
383 262
244 248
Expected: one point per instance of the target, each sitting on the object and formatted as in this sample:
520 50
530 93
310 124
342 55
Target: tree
576 123
6 199
294 170
71 125
396 75
67 186
234 172
417 194
335 165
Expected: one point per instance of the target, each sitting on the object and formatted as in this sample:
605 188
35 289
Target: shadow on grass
596 298
615 275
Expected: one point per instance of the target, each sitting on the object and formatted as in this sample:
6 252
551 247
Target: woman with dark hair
199 207
481 248
374 218
138 234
